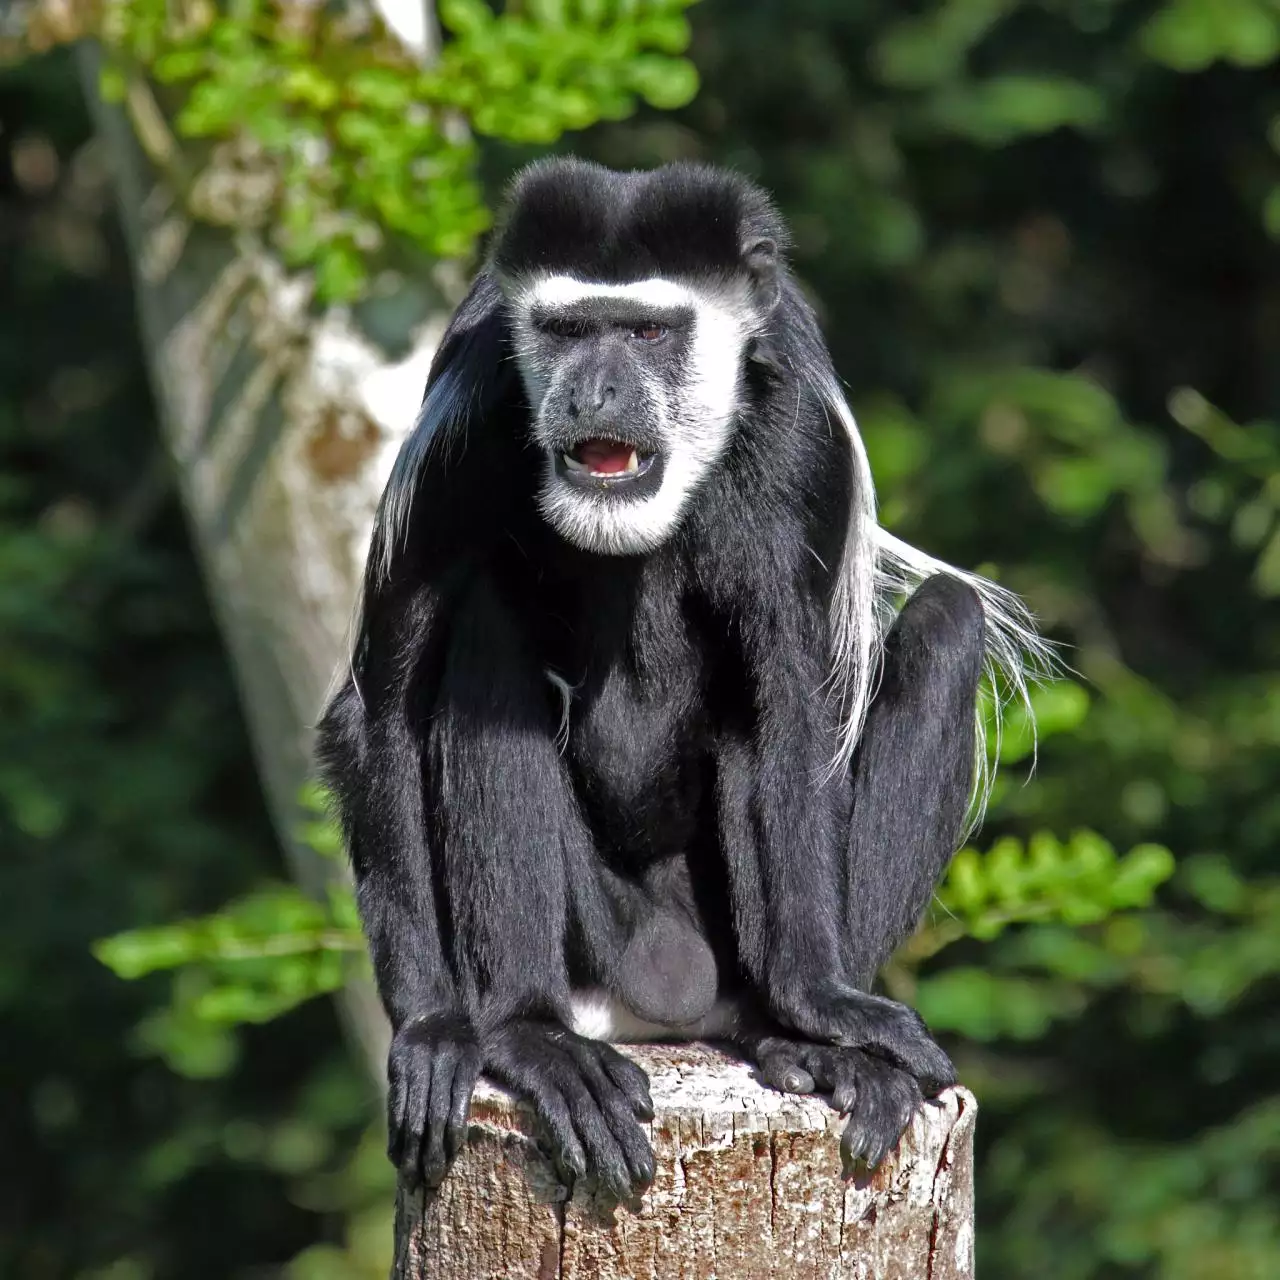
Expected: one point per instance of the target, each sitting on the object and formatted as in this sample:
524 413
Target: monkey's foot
842 1015
878 1097
588 1097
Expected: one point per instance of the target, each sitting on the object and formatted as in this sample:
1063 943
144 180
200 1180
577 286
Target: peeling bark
748 1187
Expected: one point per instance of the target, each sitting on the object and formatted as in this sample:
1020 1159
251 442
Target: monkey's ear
761 259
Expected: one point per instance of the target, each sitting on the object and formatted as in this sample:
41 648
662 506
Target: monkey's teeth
573 464
633 462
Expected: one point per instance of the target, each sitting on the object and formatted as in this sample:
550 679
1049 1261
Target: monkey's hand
431 1072
878 1098
852 1019
588 1097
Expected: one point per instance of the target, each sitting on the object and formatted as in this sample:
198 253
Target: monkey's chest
637 756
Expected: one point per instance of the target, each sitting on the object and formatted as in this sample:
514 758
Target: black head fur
681 220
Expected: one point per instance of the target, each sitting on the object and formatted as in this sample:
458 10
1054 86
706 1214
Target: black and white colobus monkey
637 742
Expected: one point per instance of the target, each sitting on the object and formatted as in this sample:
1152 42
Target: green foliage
1064 889
128 797
1038 232
1079 881
985 1005
370 149
1188 35
268 951
1057 707
254 960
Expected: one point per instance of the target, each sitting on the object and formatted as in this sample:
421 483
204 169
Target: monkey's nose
597 397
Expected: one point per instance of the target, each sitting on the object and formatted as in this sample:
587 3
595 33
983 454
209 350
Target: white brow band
564 291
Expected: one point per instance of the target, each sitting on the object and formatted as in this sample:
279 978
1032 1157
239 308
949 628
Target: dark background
1057 307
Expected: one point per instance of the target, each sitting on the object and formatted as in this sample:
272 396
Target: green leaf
309 85
112 84
997 111
665 83
142 951
1081 881
340 273
1189 35
1271 212
1182 35
1059 707
1213 882
989 1006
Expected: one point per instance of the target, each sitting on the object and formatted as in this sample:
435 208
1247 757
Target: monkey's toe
878 1097
884 1100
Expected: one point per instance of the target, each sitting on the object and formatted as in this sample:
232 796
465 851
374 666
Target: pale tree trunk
748 1187
282 425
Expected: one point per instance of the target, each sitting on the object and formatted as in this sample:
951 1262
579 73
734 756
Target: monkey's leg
914 771
911 784
515 864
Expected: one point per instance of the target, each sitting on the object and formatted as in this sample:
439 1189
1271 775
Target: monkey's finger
855 1142
886 1100
620 1117
837 1071
844 1090
898 1034
631 1079
819 1061
567 1151
408 1153
605 1157
465 1076
443 1063
397 1102
862 1140
636 1151
921 1057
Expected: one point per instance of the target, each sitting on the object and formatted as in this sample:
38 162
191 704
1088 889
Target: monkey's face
633 389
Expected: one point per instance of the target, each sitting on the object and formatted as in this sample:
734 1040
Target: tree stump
748 1186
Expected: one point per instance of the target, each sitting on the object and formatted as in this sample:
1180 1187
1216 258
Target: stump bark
748 1185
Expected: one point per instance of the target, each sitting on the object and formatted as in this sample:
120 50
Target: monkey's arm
463 828
370 755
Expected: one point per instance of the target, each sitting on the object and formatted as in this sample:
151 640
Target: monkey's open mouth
604 463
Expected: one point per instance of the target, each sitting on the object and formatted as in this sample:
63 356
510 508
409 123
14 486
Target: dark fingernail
455 1137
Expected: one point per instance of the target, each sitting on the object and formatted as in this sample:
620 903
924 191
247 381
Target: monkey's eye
649 332
563 328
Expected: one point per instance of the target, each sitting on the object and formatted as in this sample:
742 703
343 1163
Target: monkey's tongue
605 457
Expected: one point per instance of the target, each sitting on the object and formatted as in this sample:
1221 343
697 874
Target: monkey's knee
946 611
938 638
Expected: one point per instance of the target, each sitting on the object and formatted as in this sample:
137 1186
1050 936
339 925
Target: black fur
681 220
681 845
